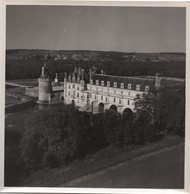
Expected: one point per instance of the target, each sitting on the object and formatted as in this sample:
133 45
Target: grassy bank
9 100
92 163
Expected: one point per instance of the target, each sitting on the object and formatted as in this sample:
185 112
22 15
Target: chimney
56 78
82 74
90 74
79 71
157 81
74 77
69 78
75 70
65 77
43 72
78 78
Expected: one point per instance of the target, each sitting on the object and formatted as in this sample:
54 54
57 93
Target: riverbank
11 99
93 163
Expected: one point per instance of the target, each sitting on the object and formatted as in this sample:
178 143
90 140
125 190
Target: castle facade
103 92
95 93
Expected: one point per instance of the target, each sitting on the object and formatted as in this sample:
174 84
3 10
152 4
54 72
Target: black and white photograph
95 96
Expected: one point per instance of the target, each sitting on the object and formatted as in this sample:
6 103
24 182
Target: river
15 121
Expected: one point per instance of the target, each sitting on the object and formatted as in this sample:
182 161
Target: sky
124 29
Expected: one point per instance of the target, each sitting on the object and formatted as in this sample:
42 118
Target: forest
27 64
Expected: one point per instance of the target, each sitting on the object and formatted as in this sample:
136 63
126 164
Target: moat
16 121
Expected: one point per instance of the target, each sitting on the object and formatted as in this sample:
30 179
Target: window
115 84
129 86
113 99
77 94
69 86
77 87
106 99
102 83
97 82
128 102
73 85
91 82
95 97
137 87
89 96
101 97
108 84
122 85
69 93
146 88
119 101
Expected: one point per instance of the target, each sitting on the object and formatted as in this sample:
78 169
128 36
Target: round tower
44 86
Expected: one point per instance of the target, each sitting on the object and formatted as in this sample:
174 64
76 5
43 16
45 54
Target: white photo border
160 3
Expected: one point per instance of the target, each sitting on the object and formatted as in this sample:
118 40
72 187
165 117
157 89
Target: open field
11 100
106 158
26 82
162 170
15 121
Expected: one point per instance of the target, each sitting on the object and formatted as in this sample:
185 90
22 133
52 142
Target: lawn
92 163
11 100
25 82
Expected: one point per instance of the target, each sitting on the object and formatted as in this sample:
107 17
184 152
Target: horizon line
42 49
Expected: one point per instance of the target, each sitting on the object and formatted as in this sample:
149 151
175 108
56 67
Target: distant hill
93 55
26 64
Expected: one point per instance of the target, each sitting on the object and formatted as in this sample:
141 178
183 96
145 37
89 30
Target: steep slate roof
126 80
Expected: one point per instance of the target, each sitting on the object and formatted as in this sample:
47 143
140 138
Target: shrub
14 167
54 137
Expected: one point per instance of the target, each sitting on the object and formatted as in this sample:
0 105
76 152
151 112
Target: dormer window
129 86
146 88
115 84
122 85
102 83
138 87
108 83
97 82
91 82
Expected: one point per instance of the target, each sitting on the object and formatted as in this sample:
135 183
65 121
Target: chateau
105 91
94 92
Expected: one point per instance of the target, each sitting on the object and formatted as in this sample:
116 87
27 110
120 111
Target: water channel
15 121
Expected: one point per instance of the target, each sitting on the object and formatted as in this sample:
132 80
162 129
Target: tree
146 104
165 108
14 168
172 110
113 128
54 137
127 122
